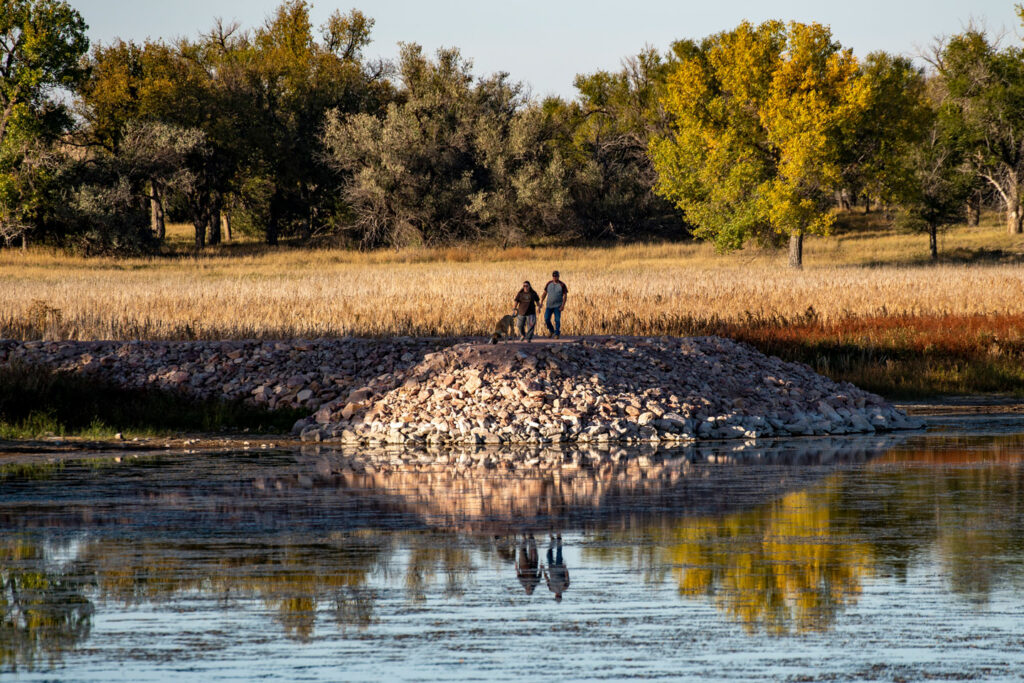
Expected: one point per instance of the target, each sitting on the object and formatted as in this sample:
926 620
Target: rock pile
598 390
299 374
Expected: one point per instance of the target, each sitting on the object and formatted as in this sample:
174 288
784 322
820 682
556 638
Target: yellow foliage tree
760 116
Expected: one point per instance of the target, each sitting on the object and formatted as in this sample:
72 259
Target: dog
504 328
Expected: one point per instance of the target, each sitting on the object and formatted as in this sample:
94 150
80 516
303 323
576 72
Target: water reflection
556 574
781 542
43 610
780 566
528 569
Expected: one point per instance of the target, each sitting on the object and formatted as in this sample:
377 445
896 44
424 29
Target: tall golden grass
636 289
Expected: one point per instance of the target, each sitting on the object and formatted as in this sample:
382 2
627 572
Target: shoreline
438 392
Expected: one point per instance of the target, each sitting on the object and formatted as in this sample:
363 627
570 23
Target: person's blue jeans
555 313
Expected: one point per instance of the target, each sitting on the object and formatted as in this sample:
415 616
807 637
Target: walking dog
504 328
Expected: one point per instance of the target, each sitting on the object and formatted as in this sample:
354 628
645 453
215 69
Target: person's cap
554 274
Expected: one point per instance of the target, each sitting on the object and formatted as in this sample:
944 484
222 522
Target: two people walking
526 302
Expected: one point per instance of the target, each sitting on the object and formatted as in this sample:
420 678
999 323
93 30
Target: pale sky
546 43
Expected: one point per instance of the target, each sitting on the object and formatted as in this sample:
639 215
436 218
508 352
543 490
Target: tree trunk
307 227
226 217
933 243
272 230
272 219
200 219
156 212
200 232
214 221
1014 219
796 250
974 210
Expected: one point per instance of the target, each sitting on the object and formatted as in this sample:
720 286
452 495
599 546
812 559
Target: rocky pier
600 390
419 393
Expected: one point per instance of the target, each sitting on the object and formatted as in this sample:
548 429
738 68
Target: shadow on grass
961 256
37 401
903 373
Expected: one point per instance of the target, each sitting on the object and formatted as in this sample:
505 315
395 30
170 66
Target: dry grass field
866 292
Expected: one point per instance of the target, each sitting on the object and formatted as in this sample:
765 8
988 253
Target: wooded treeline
289 131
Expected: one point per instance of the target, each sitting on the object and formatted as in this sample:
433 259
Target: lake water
889 558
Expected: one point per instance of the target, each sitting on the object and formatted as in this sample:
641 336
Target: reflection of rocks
576 485
532 458
342 488
600 390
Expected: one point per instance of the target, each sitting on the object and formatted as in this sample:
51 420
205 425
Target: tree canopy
288 130
758 121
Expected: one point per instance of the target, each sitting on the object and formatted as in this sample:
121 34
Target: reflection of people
528 566
557 574
526 311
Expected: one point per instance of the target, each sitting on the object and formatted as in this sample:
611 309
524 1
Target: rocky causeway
430 393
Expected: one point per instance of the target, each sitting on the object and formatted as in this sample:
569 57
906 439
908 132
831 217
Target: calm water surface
860 559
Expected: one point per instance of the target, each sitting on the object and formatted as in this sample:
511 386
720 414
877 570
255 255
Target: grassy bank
37 402
868 307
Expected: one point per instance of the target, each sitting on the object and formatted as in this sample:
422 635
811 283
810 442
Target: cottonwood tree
758 116
132 84
293 81
259 98
605 135
937 182
986 83
450 159
895 116
41 42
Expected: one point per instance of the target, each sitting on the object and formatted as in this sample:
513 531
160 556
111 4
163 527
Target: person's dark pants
555 329
525 325
557 560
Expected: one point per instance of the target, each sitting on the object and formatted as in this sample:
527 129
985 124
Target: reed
870 292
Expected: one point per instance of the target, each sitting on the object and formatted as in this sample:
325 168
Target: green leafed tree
41 43
935 180
895 116
986 84
453 158
605 134
758 116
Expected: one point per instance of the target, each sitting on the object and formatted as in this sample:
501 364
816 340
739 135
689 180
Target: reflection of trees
778 566
292 579
432 555
972 513
41 610
795 563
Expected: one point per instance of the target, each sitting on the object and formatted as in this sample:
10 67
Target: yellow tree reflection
778 567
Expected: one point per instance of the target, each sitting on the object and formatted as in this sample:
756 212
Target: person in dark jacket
528 565
525 303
